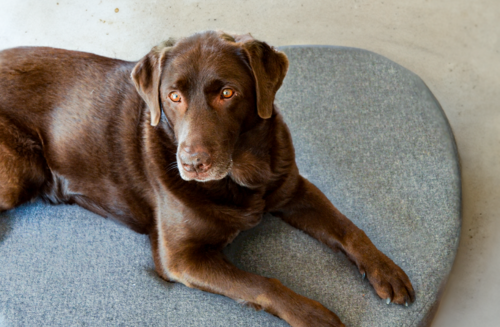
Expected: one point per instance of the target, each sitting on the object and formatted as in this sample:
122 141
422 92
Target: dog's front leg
309 210
199 266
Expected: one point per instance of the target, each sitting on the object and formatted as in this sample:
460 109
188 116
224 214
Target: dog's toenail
388 301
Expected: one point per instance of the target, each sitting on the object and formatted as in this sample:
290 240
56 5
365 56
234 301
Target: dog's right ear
146 76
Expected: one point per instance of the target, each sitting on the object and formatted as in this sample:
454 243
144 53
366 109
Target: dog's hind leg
21 167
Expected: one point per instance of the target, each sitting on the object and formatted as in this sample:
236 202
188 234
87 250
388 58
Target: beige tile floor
454 45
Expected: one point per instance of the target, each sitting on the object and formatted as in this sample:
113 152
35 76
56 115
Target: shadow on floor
6 222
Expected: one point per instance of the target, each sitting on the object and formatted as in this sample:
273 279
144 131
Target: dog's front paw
312 313
389 281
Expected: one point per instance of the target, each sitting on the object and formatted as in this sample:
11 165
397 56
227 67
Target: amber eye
227 93
174 96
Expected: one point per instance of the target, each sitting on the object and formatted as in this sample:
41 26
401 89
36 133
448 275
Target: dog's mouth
217 171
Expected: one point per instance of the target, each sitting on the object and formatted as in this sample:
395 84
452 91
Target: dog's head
212 88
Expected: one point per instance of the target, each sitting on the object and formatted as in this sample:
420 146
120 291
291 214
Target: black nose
193 159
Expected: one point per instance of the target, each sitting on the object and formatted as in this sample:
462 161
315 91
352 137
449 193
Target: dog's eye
227 93
174 96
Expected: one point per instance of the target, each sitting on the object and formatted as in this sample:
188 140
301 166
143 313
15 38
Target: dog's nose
192 160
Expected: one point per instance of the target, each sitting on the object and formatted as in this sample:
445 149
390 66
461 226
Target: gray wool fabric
367 132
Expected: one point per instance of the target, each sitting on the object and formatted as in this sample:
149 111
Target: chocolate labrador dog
186 146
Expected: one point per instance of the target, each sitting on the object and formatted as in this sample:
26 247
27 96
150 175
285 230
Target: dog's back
43 78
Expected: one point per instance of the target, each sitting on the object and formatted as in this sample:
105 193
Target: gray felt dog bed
367 132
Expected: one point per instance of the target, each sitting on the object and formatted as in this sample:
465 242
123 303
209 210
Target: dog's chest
250 171
227 203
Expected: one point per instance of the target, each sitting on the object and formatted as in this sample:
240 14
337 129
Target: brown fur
104 134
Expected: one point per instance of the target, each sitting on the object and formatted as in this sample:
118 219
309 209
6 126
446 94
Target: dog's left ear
269 68
146 76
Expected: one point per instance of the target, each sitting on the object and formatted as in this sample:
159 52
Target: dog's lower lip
193 175
201 177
